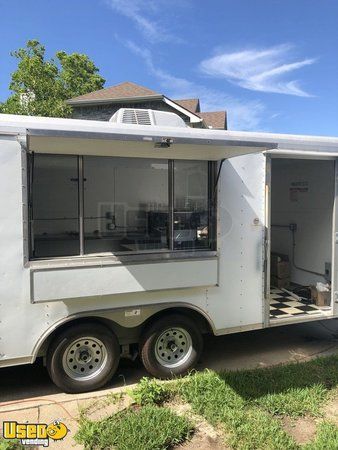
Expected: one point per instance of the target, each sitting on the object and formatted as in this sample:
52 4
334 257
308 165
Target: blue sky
272 64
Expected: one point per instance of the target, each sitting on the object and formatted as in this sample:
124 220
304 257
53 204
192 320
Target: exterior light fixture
164 143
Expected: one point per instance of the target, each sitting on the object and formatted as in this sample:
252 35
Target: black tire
150 342
57 363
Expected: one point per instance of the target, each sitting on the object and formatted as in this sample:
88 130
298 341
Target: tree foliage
40 87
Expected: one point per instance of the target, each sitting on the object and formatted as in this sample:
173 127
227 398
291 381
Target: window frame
132 255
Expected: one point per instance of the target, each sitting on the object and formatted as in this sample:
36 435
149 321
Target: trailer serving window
83 205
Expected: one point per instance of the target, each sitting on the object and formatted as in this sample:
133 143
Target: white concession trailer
141 234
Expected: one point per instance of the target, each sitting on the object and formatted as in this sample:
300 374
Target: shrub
150 392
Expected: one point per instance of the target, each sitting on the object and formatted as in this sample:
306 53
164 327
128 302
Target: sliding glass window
191 205
125 204
54 217
82 205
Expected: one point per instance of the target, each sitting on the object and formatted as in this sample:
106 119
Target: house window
83 205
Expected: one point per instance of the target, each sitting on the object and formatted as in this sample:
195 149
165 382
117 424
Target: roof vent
136 116
133 116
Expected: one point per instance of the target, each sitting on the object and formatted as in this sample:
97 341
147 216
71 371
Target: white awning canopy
148 145
92 137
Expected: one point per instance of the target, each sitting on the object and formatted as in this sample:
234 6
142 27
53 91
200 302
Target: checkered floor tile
283 305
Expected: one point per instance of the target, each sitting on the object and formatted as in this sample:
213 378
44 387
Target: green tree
40 87
79 74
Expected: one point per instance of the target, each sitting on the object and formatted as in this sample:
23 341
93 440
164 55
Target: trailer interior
302 200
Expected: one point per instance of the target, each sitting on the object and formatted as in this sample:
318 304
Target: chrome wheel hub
84 358
173 347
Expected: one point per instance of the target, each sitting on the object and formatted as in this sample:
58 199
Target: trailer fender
123 319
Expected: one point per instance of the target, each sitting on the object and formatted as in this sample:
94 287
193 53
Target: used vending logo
35 433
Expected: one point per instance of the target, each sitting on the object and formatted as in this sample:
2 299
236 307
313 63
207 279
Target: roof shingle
214 119
191 104
122 90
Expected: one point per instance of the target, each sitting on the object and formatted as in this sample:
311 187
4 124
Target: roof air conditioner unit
133 116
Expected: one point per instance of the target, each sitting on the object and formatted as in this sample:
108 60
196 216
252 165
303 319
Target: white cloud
147 16
166 79
258 69
242 115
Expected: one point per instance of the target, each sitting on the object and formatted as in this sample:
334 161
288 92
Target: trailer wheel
171 346
83 358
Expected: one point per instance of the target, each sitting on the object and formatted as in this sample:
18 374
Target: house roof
133 92
214 119
192 104
119 91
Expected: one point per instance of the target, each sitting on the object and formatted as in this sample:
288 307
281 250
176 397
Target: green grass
246 427
246 405
146 428
6 444
326 438
296 389
295 402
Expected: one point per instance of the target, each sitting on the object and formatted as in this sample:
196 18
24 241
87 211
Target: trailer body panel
227 287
